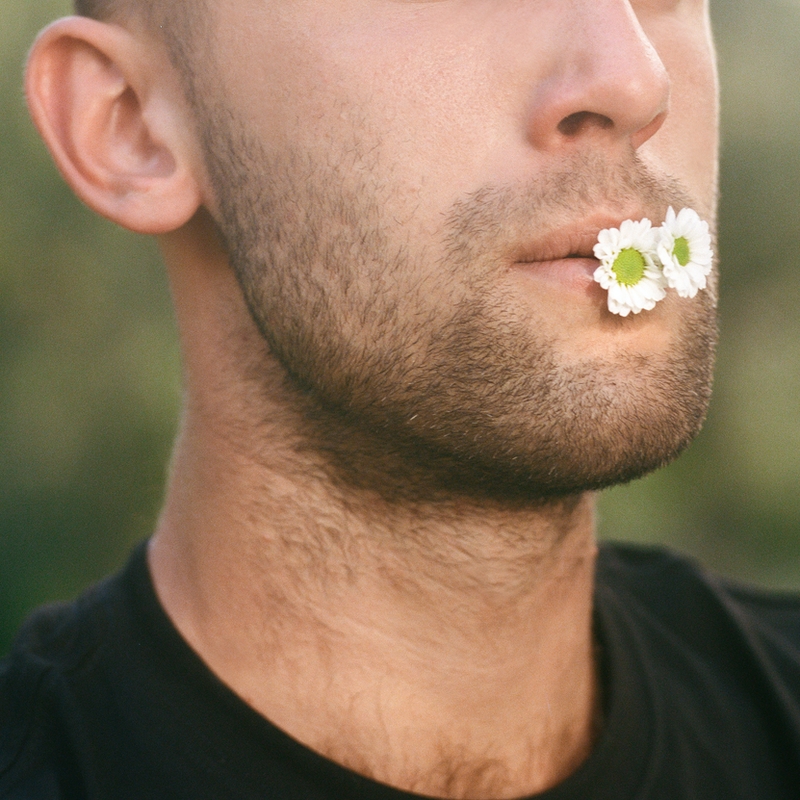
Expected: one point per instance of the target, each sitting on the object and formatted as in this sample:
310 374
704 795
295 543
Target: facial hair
414 372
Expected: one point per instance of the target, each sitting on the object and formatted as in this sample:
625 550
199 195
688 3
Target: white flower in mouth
628 267
684 249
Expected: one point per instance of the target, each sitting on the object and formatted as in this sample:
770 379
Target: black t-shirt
102 698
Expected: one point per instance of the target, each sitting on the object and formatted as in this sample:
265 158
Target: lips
563 259
575 241
555 248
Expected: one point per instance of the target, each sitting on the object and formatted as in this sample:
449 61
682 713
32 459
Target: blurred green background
89 375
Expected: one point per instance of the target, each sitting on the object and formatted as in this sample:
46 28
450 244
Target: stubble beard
413 373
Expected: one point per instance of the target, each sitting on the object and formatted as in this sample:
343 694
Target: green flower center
628 267
681 251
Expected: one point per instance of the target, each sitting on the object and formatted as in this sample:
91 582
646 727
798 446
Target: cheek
695 117
687 145
412 93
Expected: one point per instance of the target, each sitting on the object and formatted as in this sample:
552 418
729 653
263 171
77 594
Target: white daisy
684 249
628 267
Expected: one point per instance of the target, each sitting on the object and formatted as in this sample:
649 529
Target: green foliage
89 386
90 378
732 500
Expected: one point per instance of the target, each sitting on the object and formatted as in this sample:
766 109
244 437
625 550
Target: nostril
577 122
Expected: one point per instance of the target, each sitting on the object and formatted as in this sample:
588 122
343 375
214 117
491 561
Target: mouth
573 272
568 243
564 258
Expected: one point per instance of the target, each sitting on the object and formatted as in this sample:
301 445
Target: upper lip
571 241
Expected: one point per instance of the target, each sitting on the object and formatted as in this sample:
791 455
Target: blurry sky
89 375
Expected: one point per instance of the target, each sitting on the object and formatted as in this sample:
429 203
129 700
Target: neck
444 649
443 646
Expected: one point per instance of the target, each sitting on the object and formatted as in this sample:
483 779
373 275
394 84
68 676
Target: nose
604 80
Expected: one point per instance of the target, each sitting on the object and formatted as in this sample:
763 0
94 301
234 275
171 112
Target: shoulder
675 600
52 658
671 583
720 664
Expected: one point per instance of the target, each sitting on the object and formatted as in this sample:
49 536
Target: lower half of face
431 364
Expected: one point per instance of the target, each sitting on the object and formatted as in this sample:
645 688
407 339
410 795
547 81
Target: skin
435 637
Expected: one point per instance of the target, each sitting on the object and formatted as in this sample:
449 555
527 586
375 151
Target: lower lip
571 274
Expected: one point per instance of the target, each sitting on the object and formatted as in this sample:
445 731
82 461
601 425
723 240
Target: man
375 573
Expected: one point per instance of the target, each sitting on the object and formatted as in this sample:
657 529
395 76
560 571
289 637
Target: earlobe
112 115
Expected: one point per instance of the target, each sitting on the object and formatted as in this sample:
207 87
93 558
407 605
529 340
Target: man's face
410 191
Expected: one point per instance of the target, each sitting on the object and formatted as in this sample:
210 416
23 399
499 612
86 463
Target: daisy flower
628 267
684 249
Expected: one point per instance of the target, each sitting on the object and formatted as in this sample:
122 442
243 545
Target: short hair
178 22
154 13
91 8
107 9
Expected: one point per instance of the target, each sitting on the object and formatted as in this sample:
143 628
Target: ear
110 108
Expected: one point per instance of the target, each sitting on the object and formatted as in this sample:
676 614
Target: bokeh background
89 372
